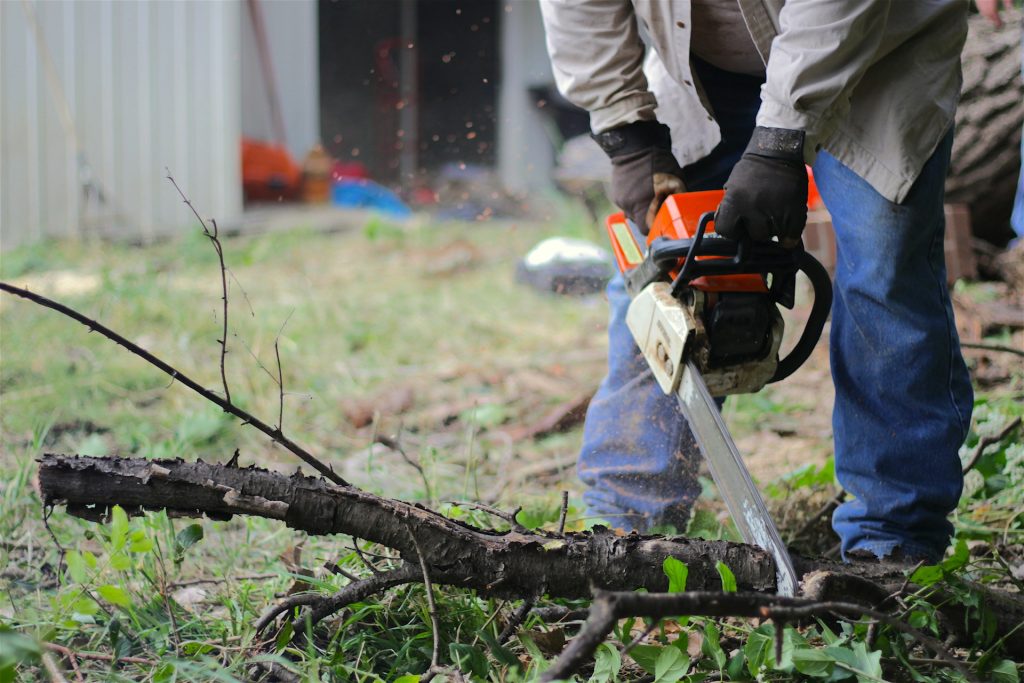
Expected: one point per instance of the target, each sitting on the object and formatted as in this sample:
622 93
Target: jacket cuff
636 107
775 115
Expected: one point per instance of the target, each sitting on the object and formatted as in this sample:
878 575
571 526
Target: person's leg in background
903 395
638 457
1017 219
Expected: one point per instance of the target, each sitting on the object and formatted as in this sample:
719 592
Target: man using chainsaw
741 94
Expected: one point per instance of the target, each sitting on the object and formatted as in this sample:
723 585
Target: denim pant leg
638 457
903 395
1017 219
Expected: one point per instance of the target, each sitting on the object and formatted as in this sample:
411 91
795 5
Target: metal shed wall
148 86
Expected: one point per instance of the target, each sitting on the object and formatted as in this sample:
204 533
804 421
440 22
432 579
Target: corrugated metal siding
149 85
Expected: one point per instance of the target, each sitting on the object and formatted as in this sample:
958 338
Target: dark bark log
511 564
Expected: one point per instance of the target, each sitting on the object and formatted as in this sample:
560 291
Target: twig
228 407
354 592
987 441
72 660
432 608
640 638
516 620
291 602
395 445
280 374
52 670
565 511
219 248
98 656
991 347
222 579
827 508
509 517
609 607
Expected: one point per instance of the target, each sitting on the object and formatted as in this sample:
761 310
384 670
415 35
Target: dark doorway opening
453 94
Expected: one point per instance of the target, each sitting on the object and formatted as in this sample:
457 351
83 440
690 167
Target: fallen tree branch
609 607
513 564
226 405
501 563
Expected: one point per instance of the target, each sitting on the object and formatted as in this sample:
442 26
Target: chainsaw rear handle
736 257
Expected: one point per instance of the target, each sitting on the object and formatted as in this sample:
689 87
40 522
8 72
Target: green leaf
759 650
672 665
735 667
139 542
646 656
407 678
1005 672
728 578
468 658
115 595
927 575
118 527
185 539
15 649
676 572
165 673
960 557
868 662
814 663
120 561
76 566
607 662
711 647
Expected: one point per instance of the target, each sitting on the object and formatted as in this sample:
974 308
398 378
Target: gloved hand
766 194
644 171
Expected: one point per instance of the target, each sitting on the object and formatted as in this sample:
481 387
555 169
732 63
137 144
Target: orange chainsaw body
678 219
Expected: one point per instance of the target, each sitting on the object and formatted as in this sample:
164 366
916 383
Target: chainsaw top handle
709 255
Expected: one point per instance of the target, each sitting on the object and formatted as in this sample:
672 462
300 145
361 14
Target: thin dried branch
214 238
517 618
435 627
608 607
247 418
981 346
987 441
356 592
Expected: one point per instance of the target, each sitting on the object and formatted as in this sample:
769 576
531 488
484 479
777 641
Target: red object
349 169
268 172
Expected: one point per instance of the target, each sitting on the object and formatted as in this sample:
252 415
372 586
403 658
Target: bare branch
435 654
228 407
987 441
609 607
219 248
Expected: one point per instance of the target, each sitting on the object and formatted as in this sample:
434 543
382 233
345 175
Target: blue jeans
1017 219
903 395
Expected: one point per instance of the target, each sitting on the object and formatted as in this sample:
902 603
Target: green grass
448 350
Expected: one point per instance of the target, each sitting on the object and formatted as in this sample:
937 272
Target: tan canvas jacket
874 82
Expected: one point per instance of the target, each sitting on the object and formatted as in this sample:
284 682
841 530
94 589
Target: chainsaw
704 312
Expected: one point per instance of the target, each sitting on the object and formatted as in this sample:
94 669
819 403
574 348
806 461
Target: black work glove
644 171
766 194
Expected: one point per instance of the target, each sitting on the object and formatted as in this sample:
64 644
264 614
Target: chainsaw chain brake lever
739 257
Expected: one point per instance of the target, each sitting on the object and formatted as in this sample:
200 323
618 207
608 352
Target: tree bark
515 563
518 563
986 151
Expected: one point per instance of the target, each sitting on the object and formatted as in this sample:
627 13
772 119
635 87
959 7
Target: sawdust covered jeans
903 395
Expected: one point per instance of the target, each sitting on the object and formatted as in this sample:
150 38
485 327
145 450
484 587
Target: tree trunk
986 151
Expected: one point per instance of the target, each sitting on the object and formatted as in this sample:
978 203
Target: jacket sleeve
597 58
821 53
